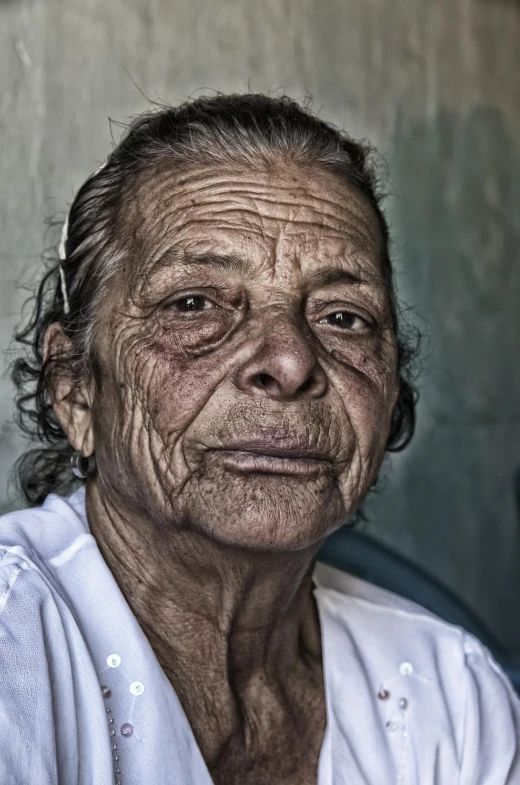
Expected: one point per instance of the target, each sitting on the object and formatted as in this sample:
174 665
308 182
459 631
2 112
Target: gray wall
435 84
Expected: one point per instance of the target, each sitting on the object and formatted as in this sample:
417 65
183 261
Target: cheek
367 395
191 337
174 385
371 356
164 376
364 375
160 380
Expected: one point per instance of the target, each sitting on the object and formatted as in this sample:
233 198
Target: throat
265 725
236 632
268 733
287 754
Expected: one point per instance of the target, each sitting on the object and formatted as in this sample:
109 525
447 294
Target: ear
71 398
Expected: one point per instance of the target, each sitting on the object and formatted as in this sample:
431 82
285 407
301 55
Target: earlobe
70 396
87 448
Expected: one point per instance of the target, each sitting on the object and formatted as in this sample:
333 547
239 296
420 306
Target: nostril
306 385
262 380
268 384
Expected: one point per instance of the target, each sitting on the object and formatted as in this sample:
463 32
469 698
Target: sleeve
491 740
34 704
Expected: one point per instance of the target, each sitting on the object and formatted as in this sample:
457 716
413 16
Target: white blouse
410 699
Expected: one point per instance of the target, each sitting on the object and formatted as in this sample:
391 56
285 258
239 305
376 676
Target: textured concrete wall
435 85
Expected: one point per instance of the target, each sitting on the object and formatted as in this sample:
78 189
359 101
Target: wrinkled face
247 358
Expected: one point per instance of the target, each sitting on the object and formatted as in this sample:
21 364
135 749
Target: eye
345 320
191 303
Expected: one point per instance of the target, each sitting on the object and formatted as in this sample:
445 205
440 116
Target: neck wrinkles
208 607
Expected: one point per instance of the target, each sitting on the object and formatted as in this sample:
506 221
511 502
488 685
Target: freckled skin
223 592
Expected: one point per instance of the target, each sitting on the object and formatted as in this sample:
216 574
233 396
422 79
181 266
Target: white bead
406 669
113 660
137 688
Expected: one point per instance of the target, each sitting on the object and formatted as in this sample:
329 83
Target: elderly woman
219 353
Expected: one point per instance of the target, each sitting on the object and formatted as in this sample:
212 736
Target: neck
221 620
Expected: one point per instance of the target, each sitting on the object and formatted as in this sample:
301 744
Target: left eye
345 320
191 303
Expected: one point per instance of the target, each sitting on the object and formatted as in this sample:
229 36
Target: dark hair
251 128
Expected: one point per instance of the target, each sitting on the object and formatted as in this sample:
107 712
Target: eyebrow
227 262
332 275
231 263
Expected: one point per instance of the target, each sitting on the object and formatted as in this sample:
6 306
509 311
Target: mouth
290 459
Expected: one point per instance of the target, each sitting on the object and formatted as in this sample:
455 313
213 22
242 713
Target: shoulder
36 672
42 652
36 617
404 626
34 603
449 673
354 588
44 532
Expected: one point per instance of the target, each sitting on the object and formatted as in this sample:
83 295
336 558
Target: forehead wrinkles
261 201
277 220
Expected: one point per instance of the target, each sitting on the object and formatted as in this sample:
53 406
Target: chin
266 512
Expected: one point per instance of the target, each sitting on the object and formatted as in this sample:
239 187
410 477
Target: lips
245 462
274 452
279 448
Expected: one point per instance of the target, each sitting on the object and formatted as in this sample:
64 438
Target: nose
282 366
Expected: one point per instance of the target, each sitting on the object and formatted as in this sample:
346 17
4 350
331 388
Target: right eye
191 303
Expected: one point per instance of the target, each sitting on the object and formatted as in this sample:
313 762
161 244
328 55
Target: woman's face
246 353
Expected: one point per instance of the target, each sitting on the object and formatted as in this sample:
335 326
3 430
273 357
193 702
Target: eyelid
181 288
367 324
322 310
194 292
